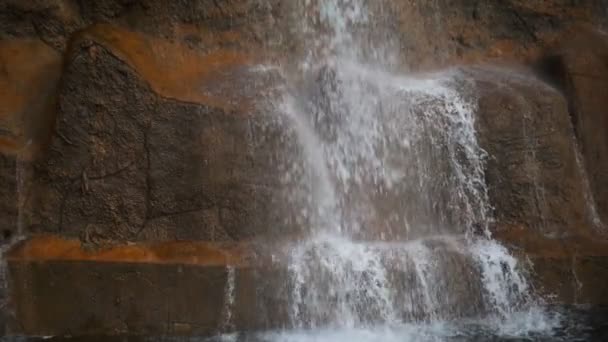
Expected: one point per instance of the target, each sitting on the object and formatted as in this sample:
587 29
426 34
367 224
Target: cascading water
389 158
388 178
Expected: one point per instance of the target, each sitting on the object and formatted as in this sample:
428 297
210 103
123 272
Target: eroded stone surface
579 66
531 171
129 163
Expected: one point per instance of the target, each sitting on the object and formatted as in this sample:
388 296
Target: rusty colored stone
578 65
532 173
47 248
130 163
29 77
176 71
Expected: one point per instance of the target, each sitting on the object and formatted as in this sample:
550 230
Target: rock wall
142 153
142 119
155 134
579 66
448 32
127 121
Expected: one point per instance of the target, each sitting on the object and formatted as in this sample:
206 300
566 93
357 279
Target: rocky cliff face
137 121
93 90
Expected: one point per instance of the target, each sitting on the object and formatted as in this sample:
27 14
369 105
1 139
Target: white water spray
393 180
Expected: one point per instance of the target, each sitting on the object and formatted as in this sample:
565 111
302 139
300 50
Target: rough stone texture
564 271
125 85
9 212
159 137
116 298
59 288
532 172
444 32
129 163
204 24
542 206
29 74
579 66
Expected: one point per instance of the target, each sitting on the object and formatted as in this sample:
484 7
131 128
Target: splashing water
229 299
387 178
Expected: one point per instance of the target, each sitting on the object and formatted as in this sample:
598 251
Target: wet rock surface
578 66
532 172
138 121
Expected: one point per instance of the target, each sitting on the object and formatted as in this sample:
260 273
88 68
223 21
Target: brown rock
59 288
177 72
532 173
53 248
203 24
564 271
579 66
29 76
448 32
537 187
150 148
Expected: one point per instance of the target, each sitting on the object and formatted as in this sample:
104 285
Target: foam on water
505 286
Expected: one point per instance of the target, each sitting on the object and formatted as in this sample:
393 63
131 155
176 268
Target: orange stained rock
208 37
29 75
176 71
52 248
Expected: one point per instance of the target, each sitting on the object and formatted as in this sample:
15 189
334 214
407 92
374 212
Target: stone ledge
57 288
566 270
49 248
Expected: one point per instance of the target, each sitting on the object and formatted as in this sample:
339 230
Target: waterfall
387 178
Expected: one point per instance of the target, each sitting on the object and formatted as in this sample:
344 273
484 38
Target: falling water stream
388 177
385 175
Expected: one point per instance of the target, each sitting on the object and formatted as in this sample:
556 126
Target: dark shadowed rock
441 33
537 187
578 65
61 289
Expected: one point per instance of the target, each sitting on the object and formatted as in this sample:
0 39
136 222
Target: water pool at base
556 324
560 324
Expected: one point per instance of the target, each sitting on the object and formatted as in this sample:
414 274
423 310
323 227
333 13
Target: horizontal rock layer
59 288
147 121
